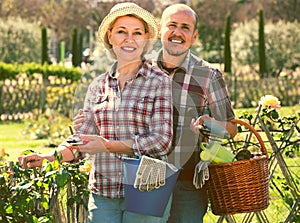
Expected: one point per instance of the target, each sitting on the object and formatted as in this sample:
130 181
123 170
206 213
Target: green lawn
14 142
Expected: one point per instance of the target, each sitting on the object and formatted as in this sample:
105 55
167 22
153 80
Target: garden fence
25 96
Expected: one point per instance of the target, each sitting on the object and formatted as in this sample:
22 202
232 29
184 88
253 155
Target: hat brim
128 10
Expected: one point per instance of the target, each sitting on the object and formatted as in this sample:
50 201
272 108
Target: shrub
50 125
20 41
278 36
10 71
55 193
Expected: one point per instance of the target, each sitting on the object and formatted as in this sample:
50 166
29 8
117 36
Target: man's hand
78 120
199 121
211 127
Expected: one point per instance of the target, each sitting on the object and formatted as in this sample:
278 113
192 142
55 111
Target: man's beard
177 53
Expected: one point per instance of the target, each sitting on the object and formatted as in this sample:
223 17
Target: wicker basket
240 186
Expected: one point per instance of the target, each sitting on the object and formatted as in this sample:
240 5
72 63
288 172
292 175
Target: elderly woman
128 113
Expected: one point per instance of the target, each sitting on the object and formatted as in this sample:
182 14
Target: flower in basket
269 101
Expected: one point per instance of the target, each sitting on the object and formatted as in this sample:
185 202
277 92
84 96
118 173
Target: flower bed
55 193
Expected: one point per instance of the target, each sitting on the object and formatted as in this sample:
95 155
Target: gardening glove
201 174
151 173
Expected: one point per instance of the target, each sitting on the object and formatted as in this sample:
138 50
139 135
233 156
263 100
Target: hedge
10 71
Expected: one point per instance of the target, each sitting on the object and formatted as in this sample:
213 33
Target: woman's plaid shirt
142 111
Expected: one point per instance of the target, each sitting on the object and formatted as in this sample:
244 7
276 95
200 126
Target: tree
211 25
75 52
44 46
227 48
261 46
287 10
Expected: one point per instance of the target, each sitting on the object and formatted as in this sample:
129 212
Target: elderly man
199 92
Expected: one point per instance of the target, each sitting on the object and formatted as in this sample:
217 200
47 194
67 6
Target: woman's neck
128 69
126 72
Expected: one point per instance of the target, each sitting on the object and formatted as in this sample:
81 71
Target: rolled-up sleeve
218 99
157 142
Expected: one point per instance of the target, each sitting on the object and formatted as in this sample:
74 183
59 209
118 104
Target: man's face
177 32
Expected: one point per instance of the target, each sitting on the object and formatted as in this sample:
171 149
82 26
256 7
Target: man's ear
195 35
159 33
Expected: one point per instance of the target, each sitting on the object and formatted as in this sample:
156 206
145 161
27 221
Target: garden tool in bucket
149 184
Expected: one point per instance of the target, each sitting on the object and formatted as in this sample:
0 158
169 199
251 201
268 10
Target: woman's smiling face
128 38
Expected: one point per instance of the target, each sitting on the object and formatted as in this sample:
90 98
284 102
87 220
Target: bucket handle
261 142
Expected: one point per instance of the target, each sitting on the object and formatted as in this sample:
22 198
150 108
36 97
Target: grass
14 142
284 111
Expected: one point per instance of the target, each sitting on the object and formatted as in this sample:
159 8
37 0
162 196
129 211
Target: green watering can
214 152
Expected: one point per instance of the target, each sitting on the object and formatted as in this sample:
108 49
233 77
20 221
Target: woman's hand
95 144
78 120
31 160
36 160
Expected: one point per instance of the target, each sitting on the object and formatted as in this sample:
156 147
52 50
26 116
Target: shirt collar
142 71
184 66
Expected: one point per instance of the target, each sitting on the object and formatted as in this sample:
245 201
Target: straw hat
123 9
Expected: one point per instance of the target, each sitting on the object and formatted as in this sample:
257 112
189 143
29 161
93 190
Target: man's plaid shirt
142 111
197 89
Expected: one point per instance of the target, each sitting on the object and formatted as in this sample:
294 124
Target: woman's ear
108 36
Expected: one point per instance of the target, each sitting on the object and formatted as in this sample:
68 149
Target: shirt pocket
143 109
100 108
99 103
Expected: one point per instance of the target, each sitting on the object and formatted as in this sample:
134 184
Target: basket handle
261 142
